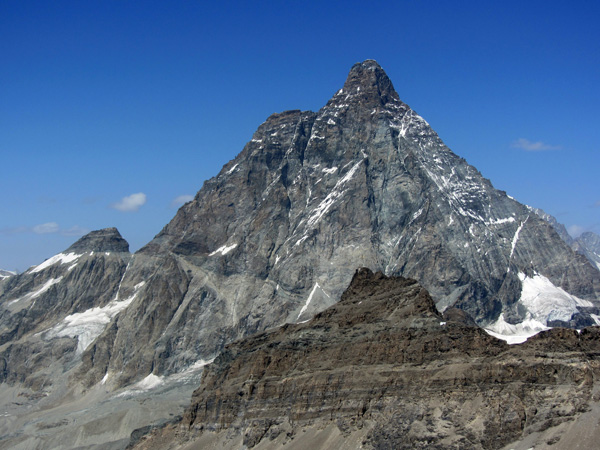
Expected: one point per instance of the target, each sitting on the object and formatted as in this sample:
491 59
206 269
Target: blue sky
112 110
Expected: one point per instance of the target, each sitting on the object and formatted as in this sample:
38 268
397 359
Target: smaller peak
104 240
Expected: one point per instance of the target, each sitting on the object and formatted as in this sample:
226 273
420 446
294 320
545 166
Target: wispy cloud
576 230
47 228
527 145
74 231
178 201
131 203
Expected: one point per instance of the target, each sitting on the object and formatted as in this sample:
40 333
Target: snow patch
547 302
335 193
47 285
230 171
500 221
60 258
417 214
516 238
515 333
543 302
150 382
86 326
310 297
8 273
223 250
330 171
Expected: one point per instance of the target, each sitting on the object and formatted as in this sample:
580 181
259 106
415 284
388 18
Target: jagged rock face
51 312
385 359
277 235
588 244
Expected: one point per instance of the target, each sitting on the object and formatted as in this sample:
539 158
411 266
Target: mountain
275 238
6 274
384 369
52 312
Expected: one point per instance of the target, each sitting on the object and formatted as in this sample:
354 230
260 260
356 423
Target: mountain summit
370 84
277 235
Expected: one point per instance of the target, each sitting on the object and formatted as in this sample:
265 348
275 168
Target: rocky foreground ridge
386 370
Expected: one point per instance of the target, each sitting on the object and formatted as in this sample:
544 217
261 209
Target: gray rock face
105 240
588 244
6 273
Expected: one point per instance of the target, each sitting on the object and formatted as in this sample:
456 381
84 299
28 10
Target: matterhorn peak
368 83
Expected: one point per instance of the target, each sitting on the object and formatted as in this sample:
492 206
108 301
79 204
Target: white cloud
527 145
75 231
130 203
178 201
46 228
575 230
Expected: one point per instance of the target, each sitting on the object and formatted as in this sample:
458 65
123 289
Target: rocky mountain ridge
385 366
587 244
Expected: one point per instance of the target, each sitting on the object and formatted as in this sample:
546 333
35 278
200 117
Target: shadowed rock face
384 359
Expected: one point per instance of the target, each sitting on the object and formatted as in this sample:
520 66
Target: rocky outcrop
383 360
587 244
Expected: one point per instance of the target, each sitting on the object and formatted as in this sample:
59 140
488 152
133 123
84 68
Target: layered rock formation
385 365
